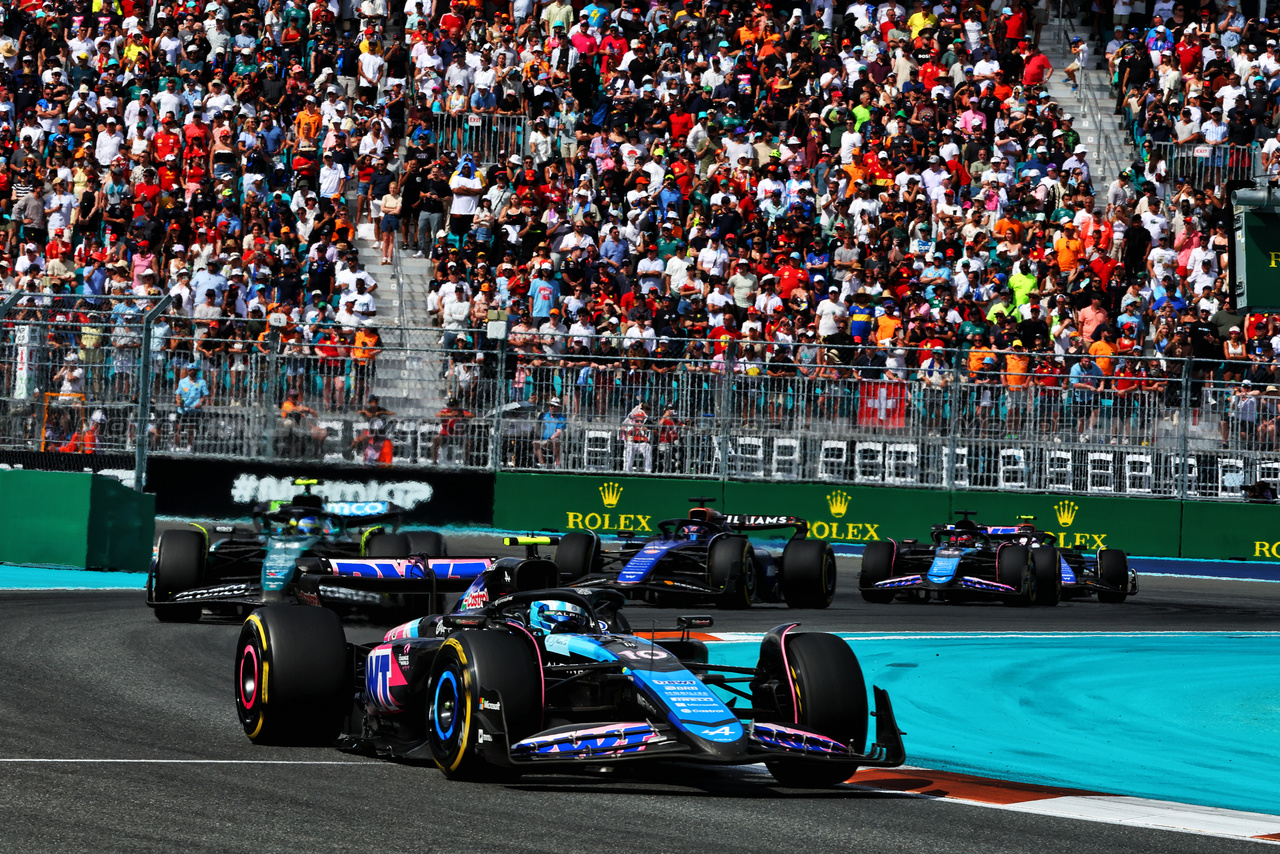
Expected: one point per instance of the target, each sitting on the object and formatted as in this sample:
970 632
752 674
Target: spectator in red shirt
1037 68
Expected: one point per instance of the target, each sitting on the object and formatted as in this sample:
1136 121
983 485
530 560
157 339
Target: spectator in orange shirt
1016 379
1070 249
1103 351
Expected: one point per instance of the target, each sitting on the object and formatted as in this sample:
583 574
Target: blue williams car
1015 564
543 679
365 563
706 559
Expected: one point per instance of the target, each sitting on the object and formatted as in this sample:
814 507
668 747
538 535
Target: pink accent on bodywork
786 666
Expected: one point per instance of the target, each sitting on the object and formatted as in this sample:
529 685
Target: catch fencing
545 401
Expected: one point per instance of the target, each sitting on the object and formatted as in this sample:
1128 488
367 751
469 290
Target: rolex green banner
842 513
531 502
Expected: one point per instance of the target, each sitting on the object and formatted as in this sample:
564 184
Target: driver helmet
553 615
309 525
692 532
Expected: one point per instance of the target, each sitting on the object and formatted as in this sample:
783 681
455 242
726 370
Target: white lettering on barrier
250 489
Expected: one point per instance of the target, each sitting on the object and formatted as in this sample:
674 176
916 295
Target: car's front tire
180 564
877 566
731 571
1113 571
808 574
507 670
1013 568
1047 568
292 675
829 697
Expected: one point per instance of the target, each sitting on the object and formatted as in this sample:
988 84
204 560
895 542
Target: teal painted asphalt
1192 717
14 577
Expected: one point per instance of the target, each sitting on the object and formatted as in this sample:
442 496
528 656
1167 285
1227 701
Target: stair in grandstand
409 382
1091 105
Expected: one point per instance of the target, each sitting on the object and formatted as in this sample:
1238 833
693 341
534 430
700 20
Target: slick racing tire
506 670
1113 571
831 698
179 567
577 555
1047 568
405 544
292 675
731 570
1013 567
808 574
877 566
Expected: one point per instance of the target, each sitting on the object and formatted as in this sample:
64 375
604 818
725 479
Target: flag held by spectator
882 403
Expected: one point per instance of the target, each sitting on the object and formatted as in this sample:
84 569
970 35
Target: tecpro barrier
205 488
74 519
859 515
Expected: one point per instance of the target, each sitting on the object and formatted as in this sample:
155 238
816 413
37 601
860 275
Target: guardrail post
1187 378
725 405
271 391
496 446
953 405
142 436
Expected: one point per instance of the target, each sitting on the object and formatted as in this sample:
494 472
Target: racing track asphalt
92 676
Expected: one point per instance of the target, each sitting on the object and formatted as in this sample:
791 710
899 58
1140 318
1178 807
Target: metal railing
1204 165
746 409
488 137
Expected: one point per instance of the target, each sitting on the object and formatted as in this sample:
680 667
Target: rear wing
746 522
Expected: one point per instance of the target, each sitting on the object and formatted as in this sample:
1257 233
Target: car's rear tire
1013 567
830 695
467 664
1047 568
731 571
578 555
405 544
808 574
1113 571
877 566
180 564
292 676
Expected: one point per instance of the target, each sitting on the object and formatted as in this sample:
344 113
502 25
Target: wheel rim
248 678
444 707
829 577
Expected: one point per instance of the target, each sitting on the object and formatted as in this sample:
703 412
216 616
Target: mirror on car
699 621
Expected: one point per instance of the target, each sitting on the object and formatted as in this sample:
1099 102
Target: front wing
641 740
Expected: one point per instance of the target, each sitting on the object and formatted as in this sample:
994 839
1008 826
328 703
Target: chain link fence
747 409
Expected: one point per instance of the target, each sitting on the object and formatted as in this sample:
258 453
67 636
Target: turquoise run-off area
13 577
1192 717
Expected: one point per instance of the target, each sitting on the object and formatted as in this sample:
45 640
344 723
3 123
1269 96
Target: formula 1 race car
1017 564
706 559
552 680
306 536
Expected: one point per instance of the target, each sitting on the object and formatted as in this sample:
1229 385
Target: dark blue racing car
706 559
1016 564
538 679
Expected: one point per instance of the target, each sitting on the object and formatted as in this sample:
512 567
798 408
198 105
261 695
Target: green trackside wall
858 514
74 519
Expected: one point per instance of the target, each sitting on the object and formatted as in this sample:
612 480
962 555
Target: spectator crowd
773 190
